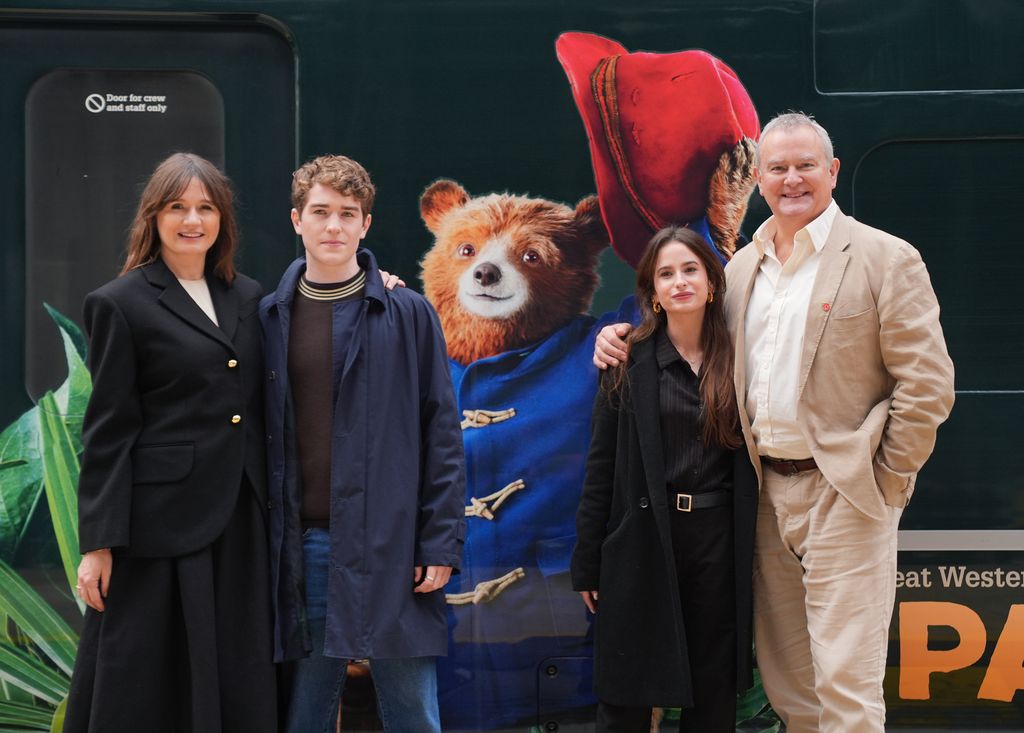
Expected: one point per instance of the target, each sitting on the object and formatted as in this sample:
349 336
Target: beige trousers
824 587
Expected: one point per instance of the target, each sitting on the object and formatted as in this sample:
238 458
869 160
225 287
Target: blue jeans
406 688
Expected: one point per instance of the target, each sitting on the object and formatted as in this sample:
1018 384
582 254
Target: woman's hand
94 577
590 599
610 347
430 578
391 281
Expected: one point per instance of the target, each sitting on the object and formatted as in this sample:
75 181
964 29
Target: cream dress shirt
774 327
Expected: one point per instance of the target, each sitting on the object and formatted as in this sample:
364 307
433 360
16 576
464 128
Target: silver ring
430 577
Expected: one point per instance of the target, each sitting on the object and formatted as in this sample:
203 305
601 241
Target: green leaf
60 477
753 712
751 704
57 724
37 619
32 675
28 717
21 467
21 479
73 395
70 328
13 693
11 632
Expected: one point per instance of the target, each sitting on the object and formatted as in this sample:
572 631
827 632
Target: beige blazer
876 380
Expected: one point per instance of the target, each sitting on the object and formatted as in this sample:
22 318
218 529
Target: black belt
787 467
707 500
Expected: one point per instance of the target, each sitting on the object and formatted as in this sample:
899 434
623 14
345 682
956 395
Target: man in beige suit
843 370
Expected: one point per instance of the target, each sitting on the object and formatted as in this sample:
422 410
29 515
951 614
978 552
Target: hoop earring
655 305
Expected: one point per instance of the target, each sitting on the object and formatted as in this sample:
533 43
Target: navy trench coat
397 478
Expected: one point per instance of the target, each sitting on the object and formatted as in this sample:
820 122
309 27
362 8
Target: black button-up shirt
691 467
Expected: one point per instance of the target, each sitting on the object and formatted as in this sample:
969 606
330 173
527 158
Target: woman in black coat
172 494
666 521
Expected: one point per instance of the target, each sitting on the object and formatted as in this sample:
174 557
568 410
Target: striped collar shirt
774 325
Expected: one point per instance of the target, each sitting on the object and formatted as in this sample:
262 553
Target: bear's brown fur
507 270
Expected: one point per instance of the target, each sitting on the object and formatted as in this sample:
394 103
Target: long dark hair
167 183
719 411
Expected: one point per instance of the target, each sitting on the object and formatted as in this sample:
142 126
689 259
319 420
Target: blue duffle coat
397 478
543 394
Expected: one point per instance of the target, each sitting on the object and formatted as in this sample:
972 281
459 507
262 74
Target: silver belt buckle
684 502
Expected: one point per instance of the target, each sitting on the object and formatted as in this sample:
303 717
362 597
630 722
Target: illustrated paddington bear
512 278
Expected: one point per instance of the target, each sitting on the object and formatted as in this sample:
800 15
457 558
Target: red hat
657 124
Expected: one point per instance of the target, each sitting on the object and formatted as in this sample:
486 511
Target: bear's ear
589 224
441 197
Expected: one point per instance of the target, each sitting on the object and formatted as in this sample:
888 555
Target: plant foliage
39 460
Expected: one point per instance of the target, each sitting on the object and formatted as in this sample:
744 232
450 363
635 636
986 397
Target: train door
101 100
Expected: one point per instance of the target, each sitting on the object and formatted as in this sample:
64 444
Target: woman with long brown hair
666 520
172 494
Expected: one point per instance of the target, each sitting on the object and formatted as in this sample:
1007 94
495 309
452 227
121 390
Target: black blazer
624 550
176 413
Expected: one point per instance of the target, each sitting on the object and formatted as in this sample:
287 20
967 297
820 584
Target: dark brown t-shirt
319 313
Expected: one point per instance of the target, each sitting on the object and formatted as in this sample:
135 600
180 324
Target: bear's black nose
487 274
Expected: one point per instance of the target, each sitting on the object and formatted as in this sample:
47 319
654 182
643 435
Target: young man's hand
430 578
391 281
610 347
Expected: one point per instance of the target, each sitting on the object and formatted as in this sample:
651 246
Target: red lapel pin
826 307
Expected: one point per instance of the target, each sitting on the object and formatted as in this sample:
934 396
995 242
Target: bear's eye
466 250
531 257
